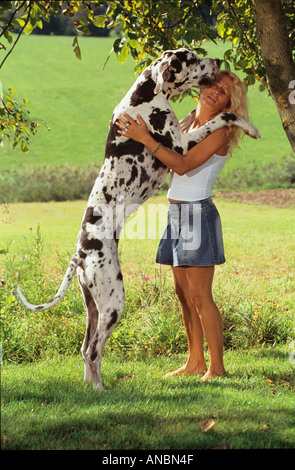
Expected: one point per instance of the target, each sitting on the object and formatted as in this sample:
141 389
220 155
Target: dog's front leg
224 119
230 119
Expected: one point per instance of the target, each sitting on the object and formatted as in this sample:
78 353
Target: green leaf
133 43
24 147
99 21
77 49
18 21
29 28
122 56
226 65
227 54
8 36
221 28
11 91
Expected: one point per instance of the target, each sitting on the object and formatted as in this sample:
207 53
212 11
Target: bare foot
210 374
188 370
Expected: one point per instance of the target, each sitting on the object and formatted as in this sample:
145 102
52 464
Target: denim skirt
193 236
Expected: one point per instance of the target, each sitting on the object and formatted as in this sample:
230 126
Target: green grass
254 289
45 403
259 242
47 406
257 238
76 100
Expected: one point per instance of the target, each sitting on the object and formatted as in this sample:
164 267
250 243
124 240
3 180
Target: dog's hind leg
103 290
91 326
109 315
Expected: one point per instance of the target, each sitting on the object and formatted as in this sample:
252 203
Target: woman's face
217 96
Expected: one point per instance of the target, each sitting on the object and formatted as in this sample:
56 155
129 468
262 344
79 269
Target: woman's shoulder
223 141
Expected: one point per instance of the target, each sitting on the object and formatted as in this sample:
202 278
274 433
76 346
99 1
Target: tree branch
11 18
241 28
186 16
202 13
19 35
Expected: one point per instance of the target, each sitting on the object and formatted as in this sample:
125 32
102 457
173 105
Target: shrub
44 183
269 176
255 323
62 183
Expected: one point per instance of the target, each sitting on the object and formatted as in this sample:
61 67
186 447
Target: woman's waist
188 194
197 201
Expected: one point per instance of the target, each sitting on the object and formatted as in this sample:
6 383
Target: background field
76 100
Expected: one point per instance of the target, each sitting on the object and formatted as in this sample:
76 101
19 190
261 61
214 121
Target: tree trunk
277 56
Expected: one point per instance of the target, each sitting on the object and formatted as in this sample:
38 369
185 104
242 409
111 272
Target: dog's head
180 69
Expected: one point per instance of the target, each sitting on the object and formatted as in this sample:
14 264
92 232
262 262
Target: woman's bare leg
200 290
196 361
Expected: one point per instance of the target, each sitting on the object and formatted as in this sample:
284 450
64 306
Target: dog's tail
61 292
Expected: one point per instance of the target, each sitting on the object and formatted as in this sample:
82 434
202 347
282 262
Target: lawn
47 406
45 403
76 100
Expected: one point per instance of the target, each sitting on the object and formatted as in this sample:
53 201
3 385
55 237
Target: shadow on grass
140 420
141 410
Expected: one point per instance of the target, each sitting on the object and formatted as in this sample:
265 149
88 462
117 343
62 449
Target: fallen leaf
207 425
127 377
268 381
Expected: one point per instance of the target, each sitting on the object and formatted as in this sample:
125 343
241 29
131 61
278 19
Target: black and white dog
128 177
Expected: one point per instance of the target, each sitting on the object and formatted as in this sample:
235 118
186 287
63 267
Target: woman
190 203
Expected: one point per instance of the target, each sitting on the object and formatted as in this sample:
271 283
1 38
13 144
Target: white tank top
197 184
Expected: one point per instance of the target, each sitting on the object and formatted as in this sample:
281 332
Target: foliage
42 183
272 175
15 124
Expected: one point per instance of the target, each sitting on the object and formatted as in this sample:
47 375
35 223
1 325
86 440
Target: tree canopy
260 34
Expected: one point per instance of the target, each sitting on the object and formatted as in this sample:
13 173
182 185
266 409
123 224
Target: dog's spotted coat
129 176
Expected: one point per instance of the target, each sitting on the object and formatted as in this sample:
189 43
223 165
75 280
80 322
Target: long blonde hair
237 105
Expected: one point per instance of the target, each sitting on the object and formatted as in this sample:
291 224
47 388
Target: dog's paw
252 131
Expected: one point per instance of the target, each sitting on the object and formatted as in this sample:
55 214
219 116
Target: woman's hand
133 130
187 121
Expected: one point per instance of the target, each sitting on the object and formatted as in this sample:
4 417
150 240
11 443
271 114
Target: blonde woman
192 216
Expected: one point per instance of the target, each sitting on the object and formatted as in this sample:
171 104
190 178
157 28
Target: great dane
129 176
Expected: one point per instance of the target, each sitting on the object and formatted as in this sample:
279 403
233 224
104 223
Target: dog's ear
163 72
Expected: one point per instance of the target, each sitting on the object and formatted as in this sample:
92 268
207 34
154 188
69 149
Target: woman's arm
180 164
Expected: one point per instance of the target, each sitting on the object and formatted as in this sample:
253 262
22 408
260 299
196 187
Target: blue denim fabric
193 236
